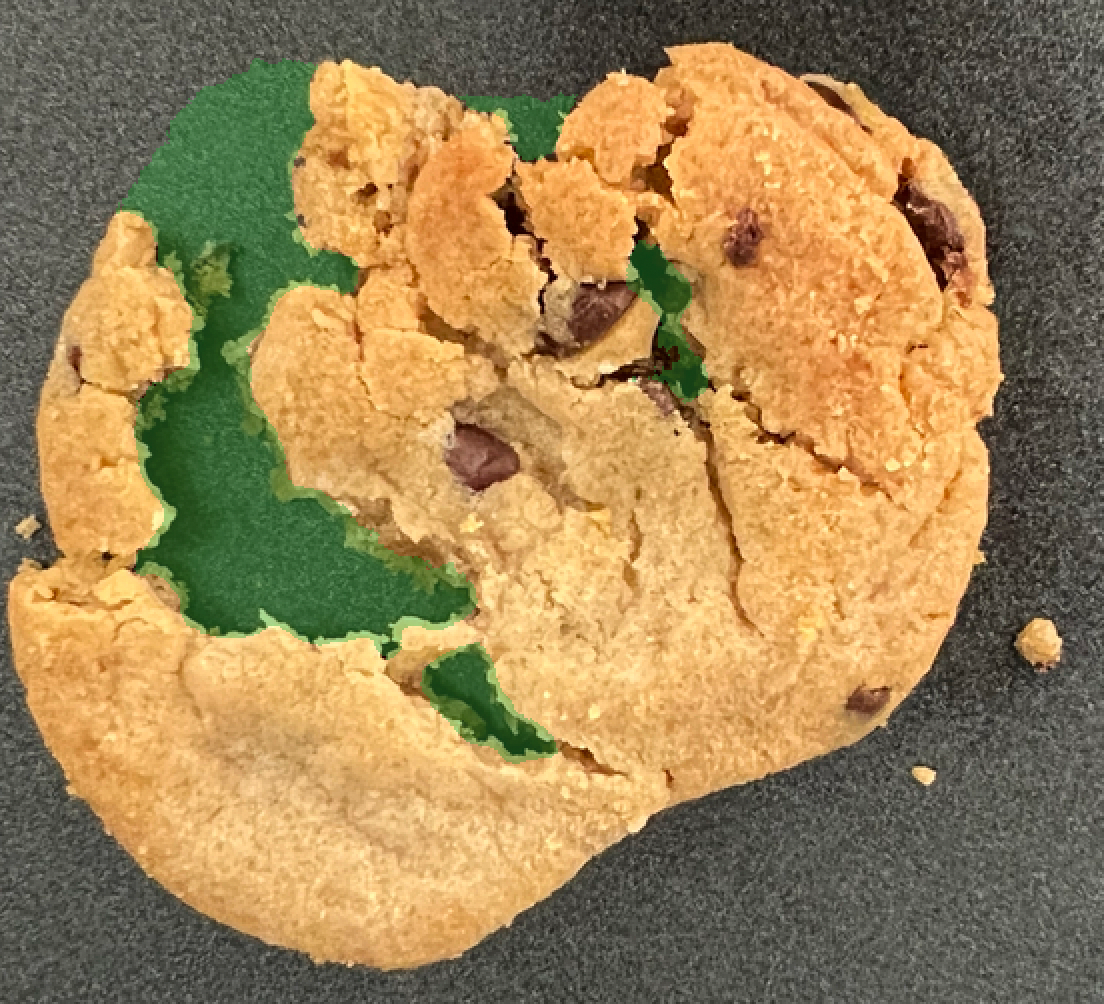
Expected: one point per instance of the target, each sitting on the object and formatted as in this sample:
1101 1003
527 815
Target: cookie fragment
28 527
937 230
479 458
924 775
1040 644
476 276
585 225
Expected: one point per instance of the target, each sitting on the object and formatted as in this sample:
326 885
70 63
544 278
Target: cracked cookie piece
1040 644
128 326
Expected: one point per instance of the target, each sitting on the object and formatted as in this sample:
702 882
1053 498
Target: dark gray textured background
843 880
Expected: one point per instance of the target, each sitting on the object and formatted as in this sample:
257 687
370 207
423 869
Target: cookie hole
682 111
517 219
654 177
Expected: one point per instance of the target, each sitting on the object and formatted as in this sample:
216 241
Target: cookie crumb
1040 644
925 775
27 528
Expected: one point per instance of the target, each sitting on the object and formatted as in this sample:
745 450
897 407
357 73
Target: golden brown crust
353 174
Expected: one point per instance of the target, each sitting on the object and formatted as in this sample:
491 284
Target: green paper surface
657 281
462 687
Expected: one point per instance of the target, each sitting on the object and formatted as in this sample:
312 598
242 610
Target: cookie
1040 644
686 594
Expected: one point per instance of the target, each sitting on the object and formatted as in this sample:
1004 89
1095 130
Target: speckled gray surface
843 880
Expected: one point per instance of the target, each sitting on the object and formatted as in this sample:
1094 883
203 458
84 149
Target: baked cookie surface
686 594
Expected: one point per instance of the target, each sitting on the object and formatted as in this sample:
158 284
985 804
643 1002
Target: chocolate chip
596 309
300 162
479 458
868 700
661 394
834 98
937 230
300 219
741 240
73 358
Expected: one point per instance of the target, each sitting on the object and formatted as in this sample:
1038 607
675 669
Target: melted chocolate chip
300 161
742 239
937 230
596 309
300 219
479 459
868 700
73 358
835 99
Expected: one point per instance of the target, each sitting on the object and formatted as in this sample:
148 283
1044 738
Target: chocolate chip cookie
686 593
